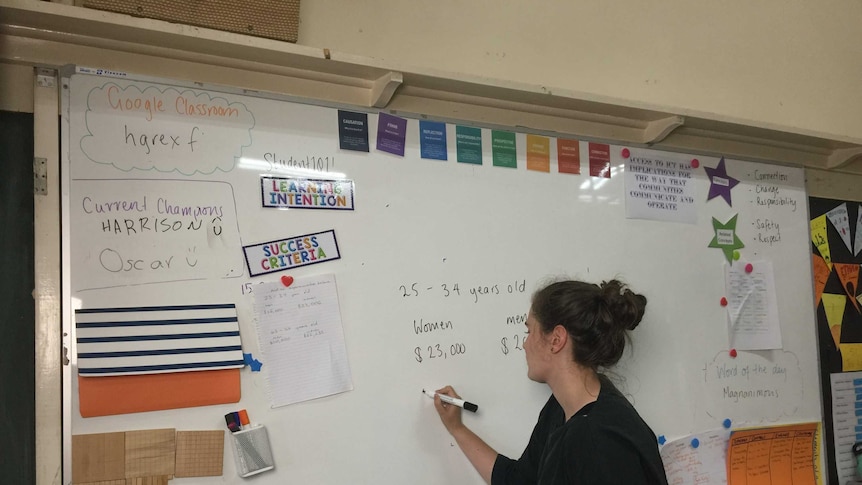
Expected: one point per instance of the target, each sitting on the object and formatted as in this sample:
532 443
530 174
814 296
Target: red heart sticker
287 280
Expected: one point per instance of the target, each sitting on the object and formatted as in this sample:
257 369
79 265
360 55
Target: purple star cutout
720 182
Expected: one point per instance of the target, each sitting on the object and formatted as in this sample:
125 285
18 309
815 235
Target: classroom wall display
433 269
836 256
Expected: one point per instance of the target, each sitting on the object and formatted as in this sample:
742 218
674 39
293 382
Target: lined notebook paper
300 334
157 339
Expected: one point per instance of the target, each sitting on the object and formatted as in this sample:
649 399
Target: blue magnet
662 440
695 443
726 423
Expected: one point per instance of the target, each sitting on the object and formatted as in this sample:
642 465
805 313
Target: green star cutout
726 238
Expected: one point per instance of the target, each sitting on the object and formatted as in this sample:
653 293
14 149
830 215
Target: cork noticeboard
271 19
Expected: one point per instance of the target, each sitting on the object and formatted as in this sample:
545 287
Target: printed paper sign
568 156
432 140
353 131
538 153
290 253
600 160
468 144
391 133
503 149
296 193
659 187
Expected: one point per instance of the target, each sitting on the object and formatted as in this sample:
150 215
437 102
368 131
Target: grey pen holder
251 451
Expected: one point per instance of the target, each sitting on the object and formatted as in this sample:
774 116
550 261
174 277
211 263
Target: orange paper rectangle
104 396
779 454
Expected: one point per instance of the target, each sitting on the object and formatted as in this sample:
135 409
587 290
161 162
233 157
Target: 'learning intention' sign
296 193
292 252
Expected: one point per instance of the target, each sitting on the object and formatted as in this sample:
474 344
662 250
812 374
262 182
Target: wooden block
104 482
98 457
147 481
199 453
150 453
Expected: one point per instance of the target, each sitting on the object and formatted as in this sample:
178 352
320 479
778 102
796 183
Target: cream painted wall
16 88
833 185
792 64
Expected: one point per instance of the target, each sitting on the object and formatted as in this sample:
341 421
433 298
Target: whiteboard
428 241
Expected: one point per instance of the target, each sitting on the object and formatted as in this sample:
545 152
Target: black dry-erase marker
453 400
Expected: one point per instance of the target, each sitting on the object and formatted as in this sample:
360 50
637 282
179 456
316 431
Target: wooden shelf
52 35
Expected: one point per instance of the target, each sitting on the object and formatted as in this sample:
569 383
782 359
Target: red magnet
625 153
695 163
733 353
749 268
287 280
723 301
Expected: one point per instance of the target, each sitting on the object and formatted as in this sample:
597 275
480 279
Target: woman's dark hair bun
596 317
626 306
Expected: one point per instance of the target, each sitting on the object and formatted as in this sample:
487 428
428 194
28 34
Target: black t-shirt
606 442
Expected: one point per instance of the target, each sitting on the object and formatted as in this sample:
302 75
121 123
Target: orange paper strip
103 396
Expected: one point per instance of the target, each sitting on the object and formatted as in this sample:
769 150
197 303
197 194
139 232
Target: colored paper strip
538 153
503 149
468 143
353 131
391 133
568 156
432 140
600 160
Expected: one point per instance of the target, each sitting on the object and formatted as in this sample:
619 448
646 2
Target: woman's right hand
477 451
450 414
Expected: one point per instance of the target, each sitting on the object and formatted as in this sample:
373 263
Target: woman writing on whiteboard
587 433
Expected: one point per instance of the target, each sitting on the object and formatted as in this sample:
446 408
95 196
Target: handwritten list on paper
300 334
752 306
704 464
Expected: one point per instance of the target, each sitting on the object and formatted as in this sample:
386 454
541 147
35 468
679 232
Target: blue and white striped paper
157 339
